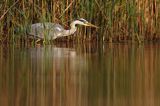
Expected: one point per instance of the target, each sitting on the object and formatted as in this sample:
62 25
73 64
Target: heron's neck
72 30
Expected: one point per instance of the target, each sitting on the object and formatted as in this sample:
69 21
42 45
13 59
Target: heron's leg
37 41
44 42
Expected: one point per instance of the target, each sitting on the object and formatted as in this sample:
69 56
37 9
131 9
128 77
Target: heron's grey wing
37 30
48 30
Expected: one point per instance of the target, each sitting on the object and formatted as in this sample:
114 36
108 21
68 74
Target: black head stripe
82 20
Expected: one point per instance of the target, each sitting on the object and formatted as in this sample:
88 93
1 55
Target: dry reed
118 20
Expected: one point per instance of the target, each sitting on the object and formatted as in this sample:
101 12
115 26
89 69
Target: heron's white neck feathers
69 32
73 28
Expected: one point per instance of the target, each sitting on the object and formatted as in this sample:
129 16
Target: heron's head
84 22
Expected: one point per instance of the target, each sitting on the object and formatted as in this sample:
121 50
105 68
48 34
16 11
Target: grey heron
51 31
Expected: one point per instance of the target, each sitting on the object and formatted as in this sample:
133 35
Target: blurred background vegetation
119 20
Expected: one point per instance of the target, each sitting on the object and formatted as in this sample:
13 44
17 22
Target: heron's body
51 31
46 30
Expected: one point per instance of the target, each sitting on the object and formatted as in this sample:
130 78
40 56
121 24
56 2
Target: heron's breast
58 29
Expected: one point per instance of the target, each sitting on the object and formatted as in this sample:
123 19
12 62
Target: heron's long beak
89 24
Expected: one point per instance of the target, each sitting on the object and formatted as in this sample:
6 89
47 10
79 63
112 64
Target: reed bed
119 20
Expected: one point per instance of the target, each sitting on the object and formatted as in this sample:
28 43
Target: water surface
80 75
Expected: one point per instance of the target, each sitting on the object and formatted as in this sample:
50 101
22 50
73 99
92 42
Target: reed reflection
123 75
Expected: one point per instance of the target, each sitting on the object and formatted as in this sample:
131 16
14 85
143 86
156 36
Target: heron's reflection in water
117 75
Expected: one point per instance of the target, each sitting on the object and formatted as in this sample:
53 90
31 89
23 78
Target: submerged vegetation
119 20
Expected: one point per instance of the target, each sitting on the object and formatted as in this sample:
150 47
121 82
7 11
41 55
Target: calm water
81 75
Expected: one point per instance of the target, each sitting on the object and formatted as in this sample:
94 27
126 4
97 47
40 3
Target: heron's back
46 30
